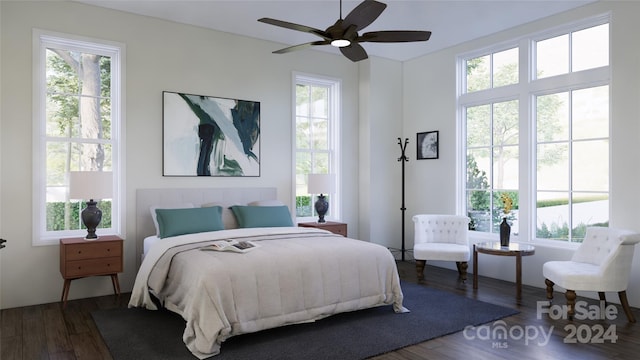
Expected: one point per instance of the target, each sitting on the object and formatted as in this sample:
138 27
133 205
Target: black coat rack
403 159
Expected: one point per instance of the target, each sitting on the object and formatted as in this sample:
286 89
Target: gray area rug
143 334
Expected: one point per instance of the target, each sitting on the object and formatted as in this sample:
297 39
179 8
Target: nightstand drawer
90 267
93 250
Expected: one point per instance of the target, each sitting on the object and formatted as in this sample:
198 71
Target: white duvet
295 275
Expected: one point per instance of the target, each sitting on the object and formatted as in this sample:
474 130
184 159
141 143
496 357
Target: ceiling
451 21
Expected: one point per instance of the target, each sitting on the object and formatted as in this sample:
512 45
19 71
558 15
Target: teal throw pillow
174 222
262 216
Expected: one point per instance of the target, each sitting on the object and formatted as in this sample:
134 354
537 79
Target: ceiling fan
344 33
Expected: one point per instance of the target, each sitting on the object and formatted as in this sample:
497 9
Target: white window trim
527 88
335 109
41 39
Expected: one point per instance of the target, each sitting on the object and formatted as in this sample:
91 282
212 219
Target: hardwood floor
50 332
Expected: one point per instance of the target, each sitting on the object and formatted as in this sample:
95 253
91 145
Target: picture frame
210 136
427 145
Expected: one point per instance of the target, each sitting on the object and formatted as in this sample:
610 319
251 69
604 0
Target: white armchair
602 263
441 237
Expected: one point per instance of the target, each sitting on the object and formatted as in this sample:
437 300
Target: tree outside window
78 129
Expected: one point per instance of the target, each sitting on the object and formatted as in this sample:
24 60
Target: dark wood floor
49 332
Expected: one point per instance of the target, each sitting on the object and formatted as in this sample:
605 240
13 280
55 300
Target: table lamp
321 184
90 185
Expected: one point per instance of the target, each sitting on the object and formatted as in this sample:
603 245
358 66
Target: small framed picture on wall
427 144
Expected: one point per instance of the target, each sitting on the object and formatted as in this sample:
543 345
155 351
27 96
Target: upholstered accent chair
441 237
602 263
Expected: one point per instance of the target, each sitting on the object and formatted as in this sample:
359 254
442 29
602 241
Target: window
492 71
316 141
574 51
572 155
77 124
492 163
557 119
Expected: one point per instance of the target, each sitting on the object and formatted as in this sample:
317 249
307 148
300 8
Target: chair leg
462 269
602 296
420 269
571 302
549 284
625 305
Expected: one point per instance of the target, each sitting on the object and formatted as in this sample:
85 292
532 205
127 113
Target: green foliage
484 205
474 64
563 201
64 85
554 231
62 81
105 76
478 74
561 232
303 206
56 215
476 179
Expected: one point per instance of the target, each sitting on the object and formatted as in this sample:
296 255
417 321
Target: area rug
143 334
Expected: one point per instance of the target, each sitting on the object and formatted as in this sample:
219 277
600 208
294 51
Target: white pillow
228 218
154 216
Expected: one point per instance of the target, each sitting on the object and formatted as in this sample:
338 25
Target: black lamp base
322 206
91 217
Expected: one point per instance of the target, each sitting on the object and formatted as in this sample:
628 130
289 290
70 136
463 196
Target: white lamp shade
321 183
85 185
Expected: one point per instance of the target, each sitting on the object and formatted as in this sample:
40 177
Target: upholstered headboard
146 198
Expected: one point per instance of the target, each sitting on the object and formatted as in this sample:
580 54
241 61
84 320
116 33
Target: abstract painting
210 136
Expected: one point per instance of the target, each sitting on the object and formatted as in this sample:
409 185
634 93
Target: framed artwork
209 136
427 145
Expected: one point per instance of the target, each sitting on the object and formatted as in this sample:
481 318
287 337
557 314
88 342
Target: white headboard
146 198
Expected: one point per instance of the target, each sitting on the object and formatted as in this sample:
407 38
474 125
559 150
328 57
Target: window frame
527 89
334 118
41 40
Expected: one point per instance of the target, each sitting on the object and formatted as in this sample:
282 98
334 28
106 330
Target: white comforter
295 275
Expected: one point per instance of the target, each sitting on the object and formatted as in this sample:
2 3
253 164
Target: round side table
493 248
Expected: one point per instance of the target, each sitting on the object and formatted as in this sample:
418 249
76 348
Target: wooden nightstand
81 258
333 226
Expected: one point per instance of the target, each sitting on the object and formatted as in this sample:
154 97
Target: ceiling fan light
340 43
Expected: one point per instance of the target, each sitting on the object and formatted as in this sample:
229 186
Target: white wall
380 128
160 55
429 104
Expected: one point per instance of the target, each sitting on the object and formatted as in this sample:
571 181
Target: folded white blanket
295 275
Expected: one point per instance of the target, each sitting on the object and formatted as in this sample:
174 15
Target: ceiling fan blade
395 36
302 46
297 27
355 52
364 14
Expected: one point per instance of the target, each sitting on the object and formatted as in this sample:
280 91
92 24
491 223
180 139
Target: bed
293 275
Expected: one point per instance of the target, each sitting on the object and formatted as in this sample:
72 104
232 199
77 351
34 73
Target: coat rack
403 159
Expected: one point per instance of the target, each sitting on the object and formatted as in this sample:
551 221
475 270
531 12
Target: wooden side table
333 226
80 258
493 248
